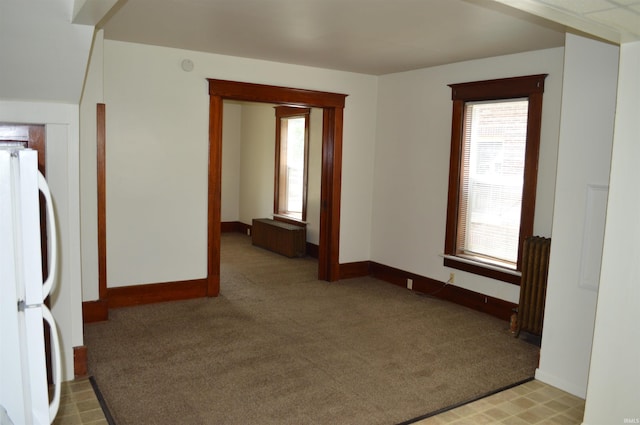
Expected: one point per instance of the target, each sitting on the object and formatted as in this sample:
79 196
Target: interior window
493 171
292 134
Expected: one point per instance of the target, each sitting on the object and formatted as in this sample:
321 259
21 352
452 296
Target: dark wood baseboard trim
312 250
355 269
156 292
80 365
475 300
235 227
125 296
95 311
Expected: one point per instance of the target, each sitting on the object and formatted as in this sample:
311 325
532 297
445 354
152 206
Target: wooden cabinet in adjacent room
283 238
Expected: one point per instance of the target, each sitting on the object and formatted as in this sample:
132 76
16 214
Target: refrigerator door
24 389
45 290
47 286
27 221
54 405
13 375
36 367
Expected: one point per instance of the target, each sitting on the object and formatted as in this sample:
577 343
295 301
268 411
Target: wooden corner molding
355 269
95 311
80 363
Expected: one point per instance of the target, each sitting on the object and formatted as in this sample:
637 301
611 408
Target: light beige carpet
280 347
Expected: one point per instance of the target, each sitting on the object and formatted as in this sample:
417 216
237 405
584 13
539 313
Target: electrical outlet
410 284
248 231
452 277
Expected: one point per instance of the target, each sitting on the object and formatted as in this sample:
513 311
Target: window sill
290 220
483 269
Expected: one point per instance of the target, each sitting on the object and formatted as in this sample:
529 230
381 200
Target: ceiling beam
578 22
91 12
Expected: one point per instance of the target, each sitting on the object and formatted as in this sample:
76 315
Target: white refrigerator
25 395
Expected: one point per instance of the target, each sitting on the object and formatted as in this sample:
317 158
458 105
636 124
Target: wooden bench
284 238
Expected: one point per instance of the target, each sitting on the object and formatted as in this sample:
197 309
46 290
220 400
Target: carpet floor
280 347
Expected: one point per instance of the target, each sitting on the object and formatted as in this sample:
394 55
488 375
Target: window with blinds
493 154
493 170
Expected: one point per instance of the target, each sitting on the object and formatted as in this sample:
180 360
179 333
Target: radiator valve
513 322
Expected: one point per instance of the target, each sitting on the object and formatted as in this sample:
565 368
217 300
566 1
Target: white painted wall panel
315 174
612 394
92 95
584 156
231 164
257 161
156 172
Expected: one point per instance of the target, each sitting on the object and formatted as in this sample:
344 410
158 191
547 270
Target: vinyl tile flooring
79 405
530 403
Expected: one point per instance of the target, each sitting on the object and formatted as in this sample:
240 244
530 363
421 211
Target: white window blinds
494 142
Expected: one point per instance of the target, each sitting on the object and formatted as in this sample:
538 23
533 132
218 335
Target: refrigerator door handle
53 258
54 405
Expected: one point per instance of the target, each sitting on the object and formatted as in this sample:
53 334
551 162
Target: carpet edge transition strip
462 403
101 400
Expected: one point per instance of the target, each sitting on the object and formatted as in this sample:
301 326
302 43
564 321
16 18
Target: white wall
157 144
612 392
156 167
231 164
257 161
412 162
584 157
315 176
248 161
61 140
92 95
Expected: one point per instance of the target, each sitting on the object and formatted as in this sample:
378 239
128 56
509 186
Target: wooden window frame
532 88
279 178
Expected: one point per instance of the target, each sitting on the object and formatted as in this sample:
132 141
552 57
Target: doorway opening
332 105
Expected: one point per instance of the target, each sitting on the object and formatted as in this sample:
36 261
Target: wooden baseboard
312 250
235 227
157 292
475 300
355 269
80 363
95 311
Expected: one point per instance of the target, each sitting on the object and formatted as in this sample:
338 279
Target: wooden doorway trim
101 178
30 135
333 108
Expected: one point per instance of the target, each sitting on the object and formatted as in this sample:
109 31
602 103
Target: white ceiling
365 36
42 56
44 52
368 36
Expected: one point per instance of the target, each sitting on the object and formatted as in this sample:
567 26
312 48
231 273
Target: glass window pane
295 164
494 146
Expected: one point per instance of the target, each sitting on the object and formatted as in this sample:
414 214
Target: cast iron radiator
533 286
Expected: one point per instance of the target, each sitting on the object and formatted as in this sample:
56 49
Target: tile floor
79 405
526 404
